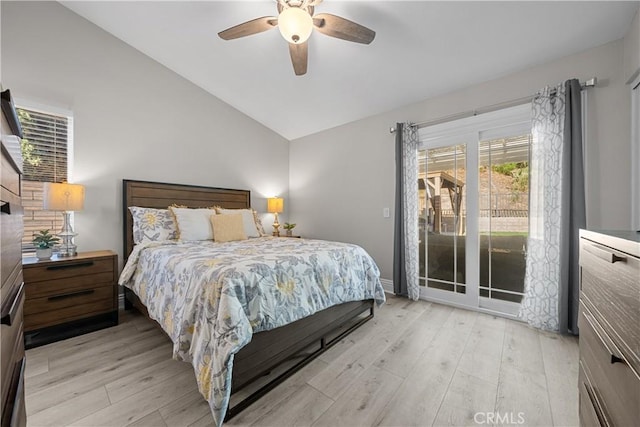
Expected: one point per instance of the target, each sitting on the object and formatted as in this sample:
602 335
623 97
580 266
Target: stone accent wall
35 218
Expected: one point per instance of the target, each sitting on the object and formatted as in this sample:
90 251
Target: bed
243 338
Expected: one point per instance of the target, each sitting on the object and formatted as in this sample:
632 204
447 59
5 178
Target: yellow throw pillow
248 219
227 228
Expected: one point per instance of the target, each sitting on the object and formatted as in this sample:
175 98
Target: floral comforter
211 297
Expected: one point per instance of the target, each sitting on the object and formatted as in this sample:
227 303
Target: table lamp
67 198
274 206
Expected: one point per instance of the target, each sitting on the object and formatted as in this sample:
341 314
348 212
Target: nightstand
69 296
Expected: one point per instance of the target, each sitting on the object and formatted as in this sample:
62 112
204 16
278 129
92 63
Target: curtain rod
489 108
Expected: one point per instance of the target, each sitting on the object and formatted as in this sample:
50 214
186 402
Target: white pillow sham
193 224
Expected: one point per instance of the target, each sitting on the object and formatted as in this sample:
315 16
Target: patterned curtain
405 253
556 210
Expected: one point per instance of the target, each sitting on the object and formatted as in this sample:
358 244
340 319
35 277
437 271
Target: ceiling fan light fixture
295 25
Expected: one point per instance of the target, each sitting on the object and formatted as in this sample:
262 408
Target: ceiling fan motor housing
295 24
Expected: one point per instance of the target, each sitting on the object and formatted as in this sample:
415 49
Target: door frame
467 132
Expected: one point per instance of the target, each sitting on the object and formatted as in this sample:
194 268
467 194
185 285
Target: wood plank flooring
414 364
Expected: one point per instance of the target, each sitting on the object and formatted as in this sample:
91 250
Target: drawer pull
603 339
71 295
9 317
67 266
610 257
616 359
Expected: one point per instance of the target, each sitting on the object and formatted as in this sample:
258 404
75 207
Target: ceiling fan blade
299 55
335 26
248 28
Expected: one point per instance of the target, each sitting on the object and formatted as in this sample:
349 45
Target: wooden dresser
609 322
69 296
12 291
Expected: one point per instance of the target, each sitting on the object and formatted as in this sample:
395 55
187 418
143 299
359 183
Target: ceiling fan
296 22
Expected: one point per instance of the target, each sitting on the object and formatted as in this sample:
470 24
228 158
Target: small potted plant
44 242
289 227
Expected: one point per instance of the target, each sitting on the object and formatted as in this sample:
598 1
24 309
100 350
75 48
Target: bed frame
271 356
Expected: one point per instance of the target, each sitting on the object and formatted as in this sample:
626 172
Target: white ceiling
421 49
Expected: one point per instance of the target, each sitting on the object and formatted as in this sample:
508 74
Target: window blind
44 149
44 146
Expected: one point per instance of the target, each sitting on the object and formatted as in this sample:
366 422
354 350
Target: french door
473 210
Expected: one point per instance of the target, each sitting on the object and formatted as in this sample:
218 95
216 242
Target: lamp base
276 226
67 248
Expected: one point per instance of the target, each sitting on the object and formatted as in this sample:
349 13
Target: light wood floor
415 363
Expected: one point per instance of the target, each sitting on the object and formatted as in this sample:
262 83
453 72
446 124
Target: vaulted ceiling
421 49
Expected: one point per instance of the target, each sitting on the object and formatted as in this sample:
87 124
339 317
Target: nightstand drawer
69 284
67 314
73 297
61 268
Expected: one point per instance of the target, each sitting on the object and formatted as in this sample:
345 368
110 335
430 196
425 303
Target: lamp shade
275 205
63 196
295 25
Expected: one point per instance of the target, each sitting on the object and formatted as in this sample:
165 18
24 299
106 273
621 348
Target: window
45 147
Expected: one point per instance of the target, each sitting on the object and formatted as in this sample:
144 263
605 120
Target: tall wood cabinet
609 322
12 292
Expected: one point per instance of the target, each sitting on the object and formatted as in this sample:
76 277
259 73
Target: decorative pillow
152 225
248 219
193 224
259 226
228 227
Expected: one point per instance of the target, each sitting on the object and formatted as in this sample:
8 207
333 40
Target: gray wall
342 178
632 50
134 118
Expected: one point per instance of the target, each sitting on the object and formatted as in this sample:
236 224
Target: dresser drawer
610 288
614 384
11 344
590 411
13 407
46 271
11 226
9 176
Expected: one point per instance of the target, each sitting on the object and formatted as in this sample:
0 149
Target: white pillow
193 224
248 220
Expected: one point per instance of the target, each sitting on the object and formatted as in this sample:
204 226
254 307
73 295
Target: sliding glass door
503 220
473 210
443 206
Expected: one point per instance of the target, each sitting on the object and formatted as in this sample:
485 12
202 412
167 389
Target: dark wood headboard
160 195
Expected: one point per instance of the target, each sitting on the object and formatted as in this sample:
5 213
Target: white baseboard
387 285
